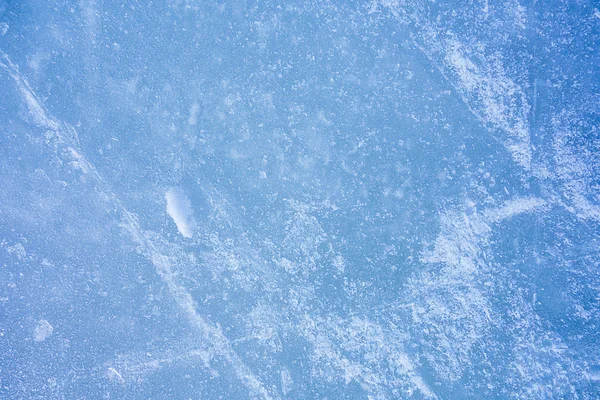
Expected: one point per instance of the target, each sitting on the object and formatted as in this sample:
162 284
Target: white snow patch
42 330
179 207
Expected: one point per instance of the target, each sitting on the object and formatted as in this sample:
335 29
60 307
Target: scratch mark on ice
66 136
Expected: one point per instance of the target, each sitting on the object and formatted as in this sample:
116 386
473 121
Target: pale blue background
393 200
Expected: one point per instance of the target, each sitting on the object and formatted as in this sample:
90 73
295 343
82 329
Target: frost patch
494 98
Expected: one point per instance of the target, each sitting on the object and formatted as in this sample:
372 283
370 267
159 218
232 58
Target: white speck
42 330
179 207
3 28
262 175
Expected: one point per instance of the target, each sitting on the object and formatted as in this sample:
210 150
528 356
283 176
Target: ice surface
377 200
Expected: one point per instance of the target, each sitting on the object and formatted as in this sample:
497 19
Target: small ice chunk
42 330
179 207
3 28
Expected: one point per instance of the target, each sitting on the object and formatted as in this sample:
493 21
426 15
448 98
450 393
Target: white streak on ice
484 86
66 136
513 208
462 252
114 375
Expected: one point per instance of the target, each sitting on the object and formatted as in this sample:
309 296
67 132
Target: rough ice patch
493 97
179 207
